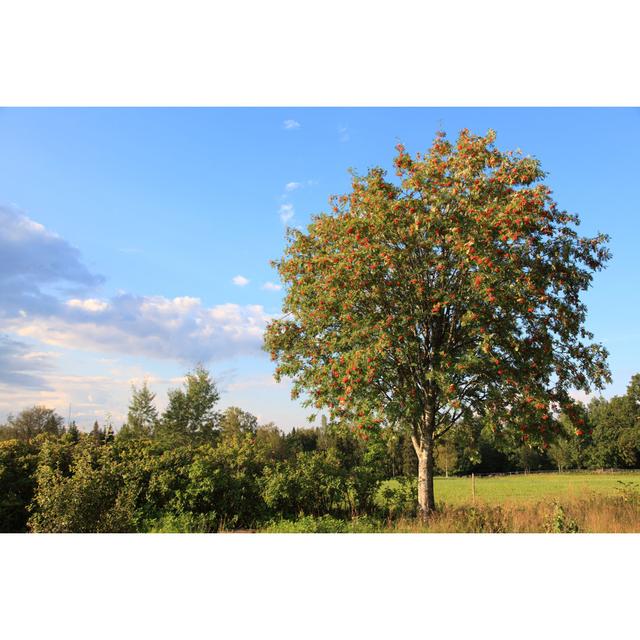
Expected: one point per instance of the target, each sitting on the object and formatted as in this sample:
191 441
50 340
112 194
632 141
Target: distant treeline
194 468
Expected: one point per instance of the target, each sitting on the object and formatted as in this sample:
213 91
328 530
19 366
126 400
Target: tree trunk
426 499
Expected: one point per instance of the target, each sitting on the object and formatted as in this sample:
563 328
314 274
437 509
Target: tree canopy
191 412
451 293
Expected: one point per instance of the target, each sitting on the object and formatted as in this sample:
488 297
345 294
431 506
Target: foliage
451 295
559 522
616 432
142 417
224 481
190 415
629 492
17 484
93 497
318 479
446 456
31 422
184 523
235 422
310 484
322 524
397 498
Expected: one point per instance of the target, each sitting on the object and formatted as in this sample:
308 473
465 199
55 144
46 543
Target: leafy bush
17 484
485 520
311 484
184 523
224 481
397 498
323 524
92 498
559 522
307 524
629 492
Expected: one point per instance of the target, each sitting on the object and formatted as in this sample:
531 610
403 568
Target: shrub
92 498
184 523
323 524
559 522
397 498
311 484
17 484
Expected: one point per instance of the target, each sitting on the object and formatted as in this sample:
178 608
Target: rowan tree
450 293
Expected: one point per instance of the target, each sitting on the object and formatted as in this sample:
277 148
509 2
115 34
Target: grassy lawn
531 487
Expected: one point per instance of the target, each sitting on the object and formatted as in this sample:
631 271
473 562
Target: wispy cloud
49 295
286 212
271 286
240 281
180 329
294 186
254 382
291 124
344 134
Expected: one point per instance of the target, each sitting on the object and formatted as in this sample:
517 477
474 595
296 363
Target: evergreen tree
142 417
73 433
97 434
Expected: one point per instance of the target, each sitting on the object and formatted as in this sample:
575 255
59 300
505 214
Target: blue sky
123 230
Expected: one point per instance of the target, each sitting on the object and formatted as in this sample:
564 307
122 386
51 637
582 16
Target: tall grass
592 513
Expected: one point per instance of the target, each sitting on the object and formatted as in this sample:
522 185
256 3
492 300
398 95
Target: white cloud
344 134
581 396
271 286
90 304
240 281
286 212
292 186
181 329
291 124
48 296
87 397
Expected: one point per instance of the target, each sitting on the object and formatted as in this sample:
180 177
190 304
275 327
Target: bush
559 522
484 520
224 483
397 498
17 484
311 484
92 498
307 524
629 492
184 523
323 524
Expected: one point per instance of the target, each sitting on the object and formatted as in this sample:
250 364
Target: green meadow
533 487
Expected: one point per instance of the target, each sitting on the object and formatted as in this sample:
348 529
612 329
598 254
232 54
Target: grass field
586 502
599 502
497 490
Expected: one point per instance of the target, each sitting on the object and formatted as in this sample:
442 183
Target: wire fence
543 471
